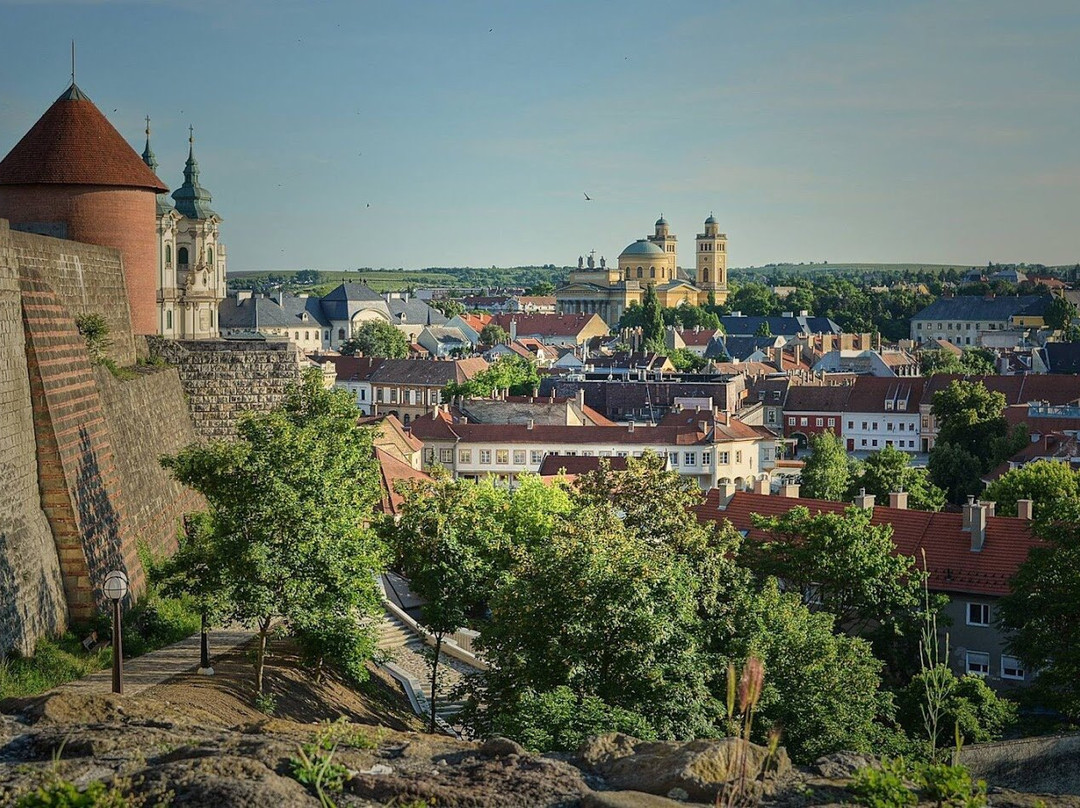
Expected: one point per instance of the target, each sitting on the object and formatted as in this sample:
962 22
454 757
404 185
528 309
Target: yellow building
651 261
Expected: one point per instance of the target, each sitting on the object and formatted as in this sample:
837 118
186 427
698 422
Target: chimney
864 500
530 423
991 508
581 397
726 491
243 294
898 500
630 427
790 490
513 329
761 486
280 297
975 514
1025 508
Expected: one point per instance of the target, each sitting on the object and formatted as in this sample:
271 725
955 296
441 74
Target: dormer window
888 404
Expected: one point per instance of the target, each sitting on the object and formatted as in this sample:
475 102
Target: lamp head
116 585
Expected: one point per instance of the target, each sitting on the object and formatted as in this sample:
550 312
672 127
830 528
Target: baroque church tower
712 261
191 260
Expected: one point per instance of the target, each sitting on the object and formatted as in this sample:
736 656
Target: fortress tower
73 176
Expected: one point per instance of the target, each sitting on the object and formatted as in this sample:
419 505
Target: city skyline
337 135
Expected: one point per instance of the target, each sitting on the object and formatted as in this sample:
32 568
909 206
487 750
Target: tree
889 470
493 334
1049 483
652 320
448 306
1040 612
841 563
376 338
290 502
686 360
826 472
541 289
307 277
969 705
1059 313
972 362
512 372
973 437
763 330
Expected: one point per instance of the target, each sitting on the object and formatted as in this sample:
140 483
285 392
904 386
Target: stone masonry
224 379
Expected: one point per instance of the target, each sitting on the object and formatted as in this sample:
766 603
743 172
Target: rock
842 764
699 768
627 799
223 780
678 794
501 747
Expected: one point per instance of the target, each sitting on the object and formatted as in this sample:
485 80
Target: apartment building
411 388
882 412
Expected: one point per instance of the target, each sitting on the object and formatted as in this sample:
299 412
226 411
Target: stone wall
223 379
31 590
147 417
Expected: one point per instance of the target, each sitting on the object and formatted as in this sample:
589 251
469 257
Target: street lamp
116 586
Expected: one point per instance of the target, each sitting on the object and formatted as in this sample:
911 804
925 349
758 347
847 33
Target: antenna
73 61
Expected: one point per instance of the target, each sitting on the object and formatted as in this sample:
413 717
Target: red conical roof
74 144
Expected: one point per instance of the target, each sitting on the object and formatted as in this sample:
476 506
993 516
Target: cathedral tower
664 239
712 261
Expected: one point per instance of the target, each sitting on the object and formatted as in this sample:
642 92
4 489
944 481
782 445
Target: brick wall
123 218
87 278
223 379
31 590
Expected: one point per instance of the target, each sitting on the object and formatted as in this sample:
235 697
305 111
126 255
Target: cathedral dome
661 222
711 219
643 247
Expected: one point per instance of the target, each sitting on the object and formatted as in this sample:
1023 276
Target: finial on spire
147 128
73 61
191 135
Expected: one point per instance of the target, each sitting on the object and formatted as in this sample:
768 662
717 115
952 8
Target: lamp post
116 586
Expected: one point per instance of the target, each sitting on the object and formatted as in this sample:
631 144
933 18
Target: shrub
63 794
885 787
95 330
943 785
54 662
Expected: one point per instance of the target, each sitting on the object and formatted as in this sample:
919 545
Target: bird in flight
587 197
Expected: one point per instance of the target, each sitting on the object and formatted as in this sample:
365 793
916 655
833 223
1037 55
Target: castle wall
31 590
223 379
88 279
122 218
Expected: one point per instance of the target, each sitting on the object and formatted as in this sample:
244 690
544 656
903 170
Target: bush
896 784
62 794
980 713
885 787
339 641
943 784
95 331
54 662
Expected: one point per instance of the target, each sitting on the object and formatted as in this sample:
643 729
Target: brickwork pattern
223 379
31 589
77 473
121 218
89 279
147 418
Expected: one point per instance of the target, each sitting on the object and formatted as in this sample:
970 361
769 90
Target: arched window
168 319
211 318
327 337
296 336
168 255
705 275
652 272
182 257
406 421
210 256
640 272
341 333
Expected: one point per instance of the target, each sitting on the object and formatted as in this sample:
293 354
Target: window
464 456
168 319
791 422
168 255
519 457
978 614
429 455
875 426
738 457
296 336
689 458
874 442
673 458
864 441
978 663
770 416
446 456
182 257
485 457
832 422
864 424
819 422
706 458
889 426
502 457
536 457
209 256
804 421
1011 667
775 395
362 394
850 424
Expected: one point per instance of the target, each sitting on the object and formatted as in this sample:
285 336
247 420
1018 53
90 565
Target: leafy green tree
968 703
841 563
633 316
652 320
763 330
686 360
827 469
447 306
307 277
512 372
822 688
376 338
1049 483
972 362
291 501
541 289
973 437
754 299
1040 612
889 470
493 334
1059 313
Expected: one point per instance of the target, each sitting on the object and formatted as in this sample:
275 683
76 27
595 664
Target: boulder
626 799
700 768
501 747
841 765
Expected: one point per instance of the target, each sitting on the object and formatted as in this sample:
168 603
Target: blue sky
455 133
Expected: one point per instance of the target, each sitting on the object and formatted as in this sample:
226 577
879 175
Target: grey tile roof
779 326
342 302
289 313
426 372
414 312
973 307
737 349
1062 357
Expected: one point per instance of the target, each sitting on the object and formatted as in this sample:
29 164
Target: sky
336 135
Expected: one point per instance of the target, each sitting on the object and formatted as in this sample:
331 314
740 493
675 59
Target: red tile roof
812 398
74 144
952 564
698 339
350 368
391 470
547 325
869 394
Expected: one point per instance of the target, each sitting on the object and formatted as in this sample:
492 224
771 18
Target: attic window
304 316
902 404
888 404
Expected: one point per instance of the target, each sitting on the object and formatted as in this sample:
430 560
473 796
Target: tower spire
192 200
148 153
73 62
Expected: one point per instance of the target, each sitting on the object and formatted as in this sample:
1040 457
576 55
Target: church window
168 319
296 336
211 318
705 276
326 335
652 272
168 255
182 256
210 256
341 333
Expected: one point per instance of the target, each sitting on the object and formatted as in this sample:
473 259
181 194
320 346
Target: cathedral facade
190 257
651 261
